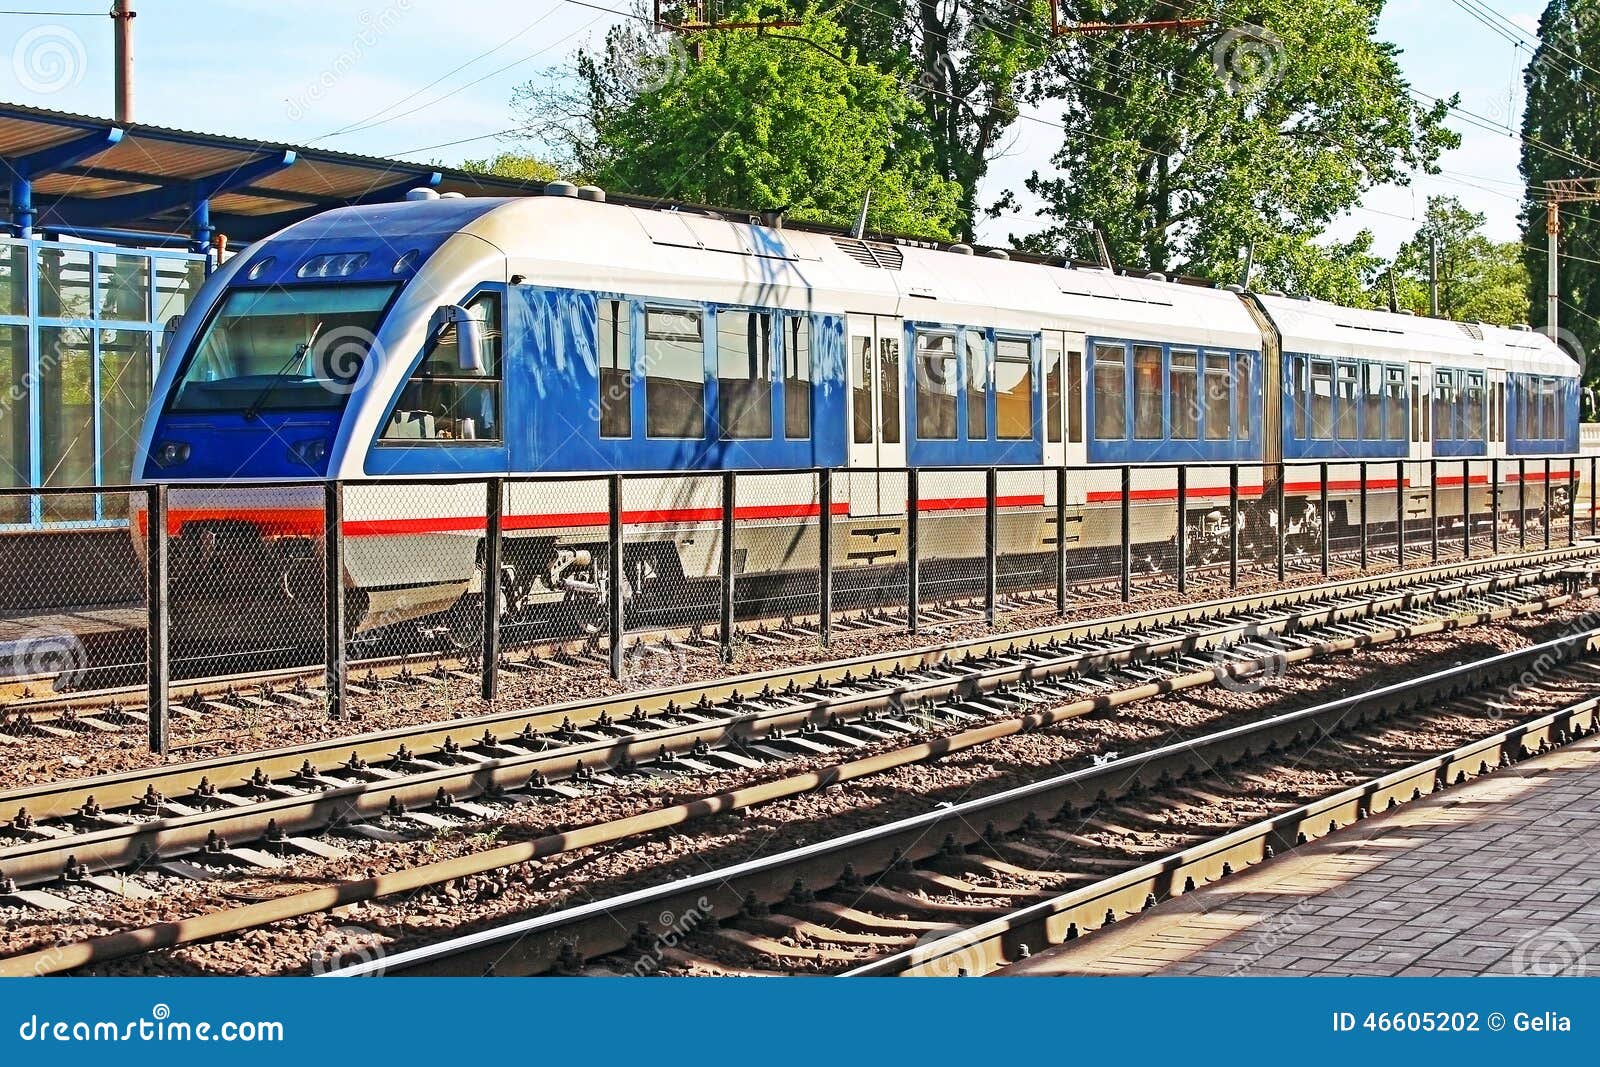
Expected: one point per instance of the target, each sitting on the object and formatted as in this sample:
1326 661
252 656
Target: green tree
975 64
1480 280
514 165
1187 148
1560 134
786 120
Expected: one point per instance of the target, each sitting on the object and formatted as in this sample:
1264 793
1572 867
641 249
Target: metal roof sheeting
153 158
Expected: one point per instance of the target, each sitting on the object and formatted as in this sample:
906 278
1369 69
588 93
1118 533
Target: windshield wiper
252 412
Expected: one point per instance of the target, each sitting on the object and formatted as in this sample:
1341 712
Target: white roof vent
998 253
421 193
592 192
961 250
1523 327
1236 289
452 196
1155 276
561 189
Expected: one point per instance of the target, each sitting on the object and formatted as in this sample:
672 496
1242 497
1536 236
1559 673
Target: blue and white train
566 333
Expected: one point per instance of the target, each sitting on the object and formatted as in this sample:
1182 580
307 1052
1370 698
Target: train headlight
311 453
171 453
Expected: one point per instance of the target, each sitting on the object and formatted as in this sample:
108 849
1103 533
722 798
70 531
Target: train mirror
468 331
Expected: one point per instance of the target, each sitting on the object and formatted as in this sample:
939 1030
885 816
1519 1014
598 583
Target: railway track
1057 859
942 704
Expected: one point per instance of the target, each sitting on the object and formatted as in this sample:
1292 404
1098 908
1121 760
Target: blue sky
431 79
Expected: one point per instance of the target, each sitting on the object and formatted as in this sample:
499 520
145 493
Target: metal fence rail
337 575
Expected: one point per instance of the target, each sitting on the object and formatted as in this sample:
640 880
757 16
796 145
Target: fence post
1594 495
991 542
1572 499
1183 530
1400 514
1233 526
729 499
1061 540
1546 510
156 605
493 495
1283 520
1494 506
913 549
1126 563
1363 514
335 664
1466 509
1433 505
1322 509
1522 502
825 558
616 569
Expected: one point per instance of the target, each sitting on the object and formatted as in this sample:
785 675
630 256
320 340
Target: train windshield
283 349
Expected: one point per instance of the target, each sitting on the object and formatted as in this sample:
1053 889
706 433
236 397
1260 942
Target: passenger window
1218 401
1075 397
861 397
797 377
1395 409
1349 400
1244 367
1372 402
1416 405
889 389
1147 393
1110 392
1472 398
744 375
1185 395
1052 393
447 402
938 382
1298 394
615 348
977 385
674 373
1322 400
1013 389
1444 401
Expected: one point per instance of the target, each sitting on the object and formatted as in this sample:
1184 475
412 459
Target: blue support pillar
202 226
22 213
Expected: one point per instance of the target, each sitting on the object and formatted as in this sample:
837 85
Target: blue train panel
1541 414
1344 408
614 382
974 396
1151 402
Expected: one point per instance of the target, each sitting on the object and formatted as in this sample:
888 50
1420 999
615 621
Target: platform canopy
95 177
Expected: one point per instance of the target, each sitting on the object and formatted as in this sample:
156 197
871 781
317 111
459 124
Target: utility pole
122 16
1557 192
1433 274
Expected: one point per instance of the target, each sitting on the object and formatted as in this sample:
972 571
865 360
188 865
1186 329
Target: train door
877 421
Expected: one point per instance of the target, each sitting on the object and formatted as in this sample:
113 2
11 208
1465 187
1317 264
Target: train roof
587 242
1317 327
